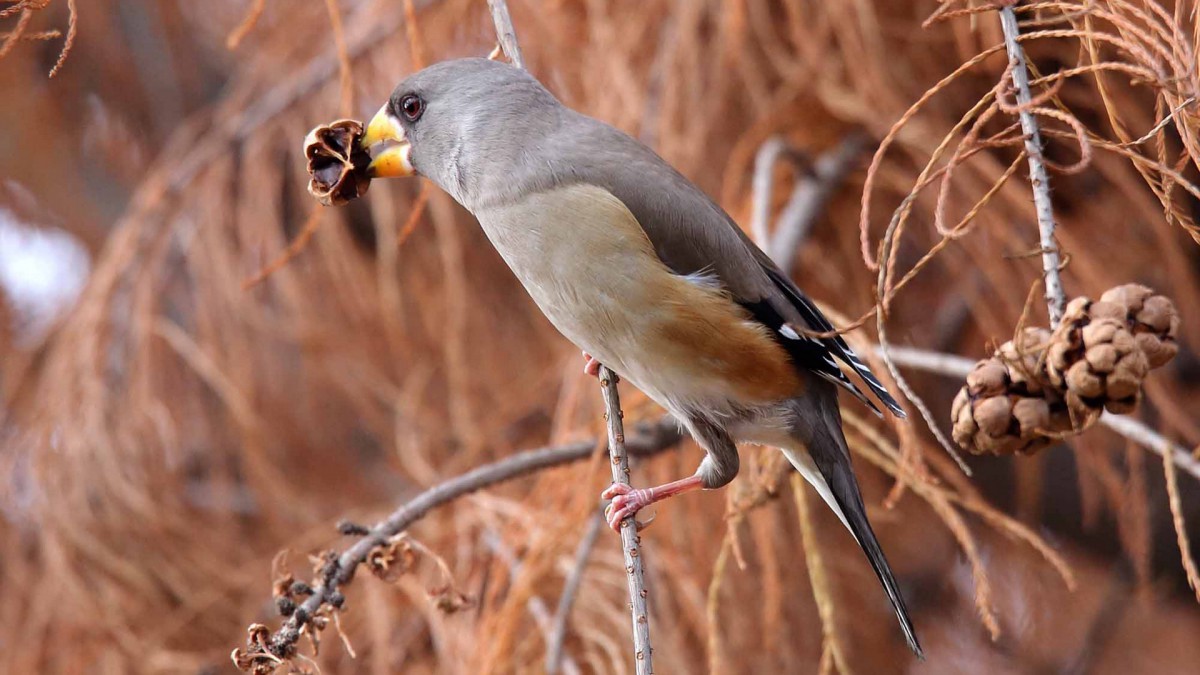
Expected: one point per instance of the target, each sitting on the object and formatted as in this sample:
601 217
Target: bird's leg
626 501
592 366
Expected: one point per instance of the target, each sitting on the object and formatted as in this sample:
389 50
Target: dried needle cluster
1041 385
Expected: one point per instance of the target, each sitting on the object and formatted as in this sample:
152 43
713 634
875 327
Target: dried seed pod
1023 359
1040 385
1004 408
337 164
1151 319
1095 359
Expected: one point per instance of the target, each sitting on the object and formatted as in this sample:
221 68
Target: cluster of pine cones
1042 385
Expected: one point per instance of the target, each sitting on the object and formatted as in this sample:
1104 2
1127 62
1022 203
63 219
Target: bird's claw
592 366
625 503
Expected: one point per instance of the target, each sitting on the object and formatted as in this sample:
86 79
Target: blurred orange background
165 432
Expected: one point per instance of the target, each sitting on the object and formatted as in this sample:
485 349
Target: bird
643 272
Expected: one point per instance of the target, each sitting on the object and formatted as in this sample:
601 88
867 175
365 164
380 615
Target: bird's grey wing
694 236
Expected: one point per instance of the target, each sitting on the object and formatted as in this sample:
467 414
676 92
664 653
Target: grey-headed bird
643 272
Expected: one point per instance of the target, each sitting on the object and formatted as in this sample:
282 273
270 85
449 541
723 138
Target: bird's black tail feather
820 429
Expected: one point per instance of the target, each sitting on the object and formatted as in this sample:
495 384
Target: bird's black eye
411 106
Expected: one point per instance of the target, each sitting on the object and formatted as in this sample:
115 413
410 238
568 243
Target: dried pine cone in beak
337 164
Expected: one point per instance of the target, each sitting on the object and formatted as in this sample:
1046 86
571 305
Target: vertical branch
505 31
763 188
616 428
1055 297
629 535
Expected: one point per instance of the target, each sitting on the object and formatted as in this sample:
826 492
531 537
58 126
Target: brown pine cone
1151 318
1004 407
1094 357
337 164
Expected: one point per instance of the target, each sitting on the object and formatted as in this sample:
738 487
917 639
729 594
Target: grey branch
1055 297
505 31
342 568
562 615
1129 427
808 199
629 532
762 190
810 196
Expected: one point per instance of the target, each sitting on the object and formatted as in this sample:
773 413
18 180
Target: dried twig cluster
1042 385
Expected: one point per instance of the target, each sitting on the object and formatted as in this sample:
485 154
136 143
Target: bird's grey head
461 124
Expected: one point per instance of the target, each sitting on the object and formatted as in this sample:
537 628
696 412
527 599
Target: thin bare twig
1181 535
562 615
1129 427
1056 298
1167 119
642 650
762 188
505 31
283 643
810 196
537 606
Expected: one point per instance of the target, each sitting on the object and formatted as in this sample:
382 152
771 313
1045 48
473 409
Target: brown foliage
176 431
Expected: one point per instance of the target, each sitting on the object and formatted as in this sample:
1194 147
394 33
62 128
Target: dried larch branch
338 570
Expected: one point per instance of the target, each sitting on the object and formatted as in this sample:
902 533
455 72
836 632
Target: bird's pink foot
627 501
592 366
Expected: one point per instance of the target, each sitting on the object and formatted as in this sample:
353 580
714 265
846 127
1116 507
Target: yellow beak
392 160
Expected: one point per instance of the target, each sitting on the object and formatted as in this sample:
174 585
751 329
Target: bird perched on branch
642 271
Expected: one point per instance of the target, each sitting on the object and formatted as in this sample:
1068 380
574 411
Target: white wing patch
704 278
833 372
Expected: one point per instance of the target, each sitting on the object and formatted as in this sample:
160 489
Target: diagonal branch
810 196
340 569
